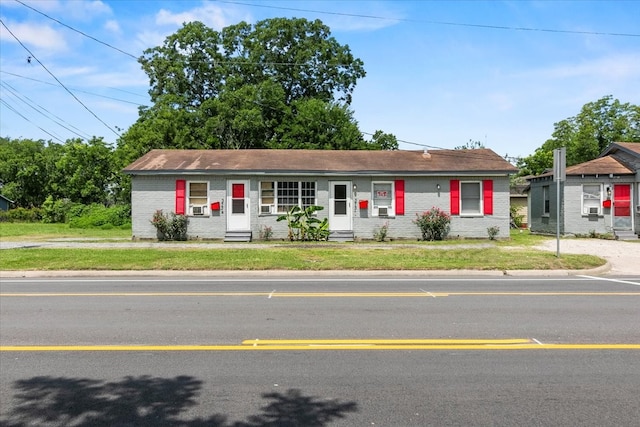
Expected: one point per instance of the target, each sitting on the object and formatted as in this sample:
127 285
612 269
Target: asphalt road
356 351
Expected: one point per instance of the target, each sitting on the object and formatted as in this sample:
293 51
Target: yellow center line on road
333 344
306 294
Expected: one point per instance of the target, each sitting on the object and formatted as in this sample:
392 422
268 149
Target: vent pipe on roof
426 154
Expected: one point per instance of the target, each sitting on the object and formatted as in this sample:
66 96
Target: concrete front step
341 236
237 236
625 235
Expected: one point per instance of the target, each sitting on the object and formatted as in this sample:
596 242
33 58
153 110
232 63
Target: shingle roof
321 161
601 166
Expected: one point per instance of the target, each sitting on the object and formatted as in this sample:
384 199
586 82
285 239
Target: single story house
5 204
600 196
234 194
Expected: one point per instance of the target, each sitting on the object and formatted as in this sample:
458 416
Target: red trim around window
454 191
400 197
181 188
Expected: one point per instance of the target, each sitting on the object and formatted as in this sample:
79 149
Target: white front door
340 217
238 213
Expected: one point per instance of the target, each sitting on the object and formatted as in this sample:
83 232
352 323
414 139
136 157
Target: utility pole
559 175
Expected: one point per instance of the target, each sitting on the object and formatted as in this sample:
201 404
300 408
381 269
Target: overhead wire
33 56
432 22
42 110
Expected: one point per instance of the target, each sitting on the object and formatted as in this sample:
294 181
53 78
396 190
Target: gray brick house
599 196
231 193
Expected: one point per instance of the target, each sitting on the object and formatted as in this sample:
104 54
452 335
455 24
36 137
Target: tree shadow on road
151 401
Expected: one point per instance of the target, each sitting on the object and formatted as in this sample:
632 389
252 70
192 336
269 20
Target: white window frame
272 193
585 209
391 208
190 206
480 211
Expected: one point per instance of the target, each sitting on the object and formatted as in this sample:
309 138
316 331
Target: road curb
215 274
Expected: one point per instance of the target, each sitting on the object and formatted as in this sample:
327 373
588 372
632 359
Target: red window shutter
454 191
487 189
400 197
181 188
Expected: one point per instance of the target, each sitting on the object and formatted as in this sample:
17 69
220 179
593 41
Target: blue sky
439 73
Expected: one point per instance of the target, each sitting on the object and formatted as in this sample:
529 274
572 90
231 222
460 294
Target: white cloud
211 15
86 10
113 26
34 35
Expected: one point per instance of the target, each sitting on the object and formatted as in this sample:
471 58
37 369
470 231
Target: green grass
35 231
290 259
514 254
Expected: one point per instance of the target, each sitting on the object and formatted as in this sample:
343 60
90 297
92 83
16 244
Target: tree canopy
281 83
587 134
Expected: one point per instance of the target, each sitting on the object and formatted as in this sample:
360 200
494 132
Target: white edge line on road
611 280
289 279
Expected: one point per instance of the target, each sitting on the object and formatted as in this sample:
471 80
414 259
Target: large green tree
79 171
281 83
587 134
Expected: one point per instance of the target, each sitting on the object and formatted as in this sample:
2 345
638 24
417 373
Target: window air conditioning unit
593 211
383 211
266 209
198 210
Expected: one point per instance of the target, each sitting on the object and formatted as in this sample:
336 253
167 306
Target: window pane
382 194
340 207
590 198
287 195
308 194
470 197
266 193
237 206
197 193
198 189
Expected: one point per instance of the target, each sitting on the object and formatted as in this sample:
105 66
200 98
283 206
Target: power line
77 31
421 21
39 109
56 79
25 118
80 90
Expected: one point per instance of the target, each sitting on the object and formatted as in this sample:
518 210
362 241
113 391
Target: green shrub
56 211
433 224
493 232
21 215
303 224
380 234
99 216
170 227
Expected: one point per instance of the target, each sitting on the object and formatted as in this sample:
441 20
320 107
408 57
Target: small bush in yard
380 234
433 224
170 227
493 232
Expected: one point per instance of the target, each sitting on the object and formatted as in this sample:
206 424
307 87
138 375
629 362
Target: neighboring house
5 204
233 194
599 196
519 202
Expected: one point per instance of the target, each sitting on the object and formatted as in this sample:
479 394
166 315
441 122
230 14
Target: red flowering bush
433 224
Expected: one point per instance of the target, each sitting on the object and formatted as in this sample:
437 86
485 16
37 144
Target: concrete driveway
624 257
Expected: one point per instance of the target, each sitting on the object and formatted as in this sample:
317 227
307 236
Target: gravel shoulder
624 257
